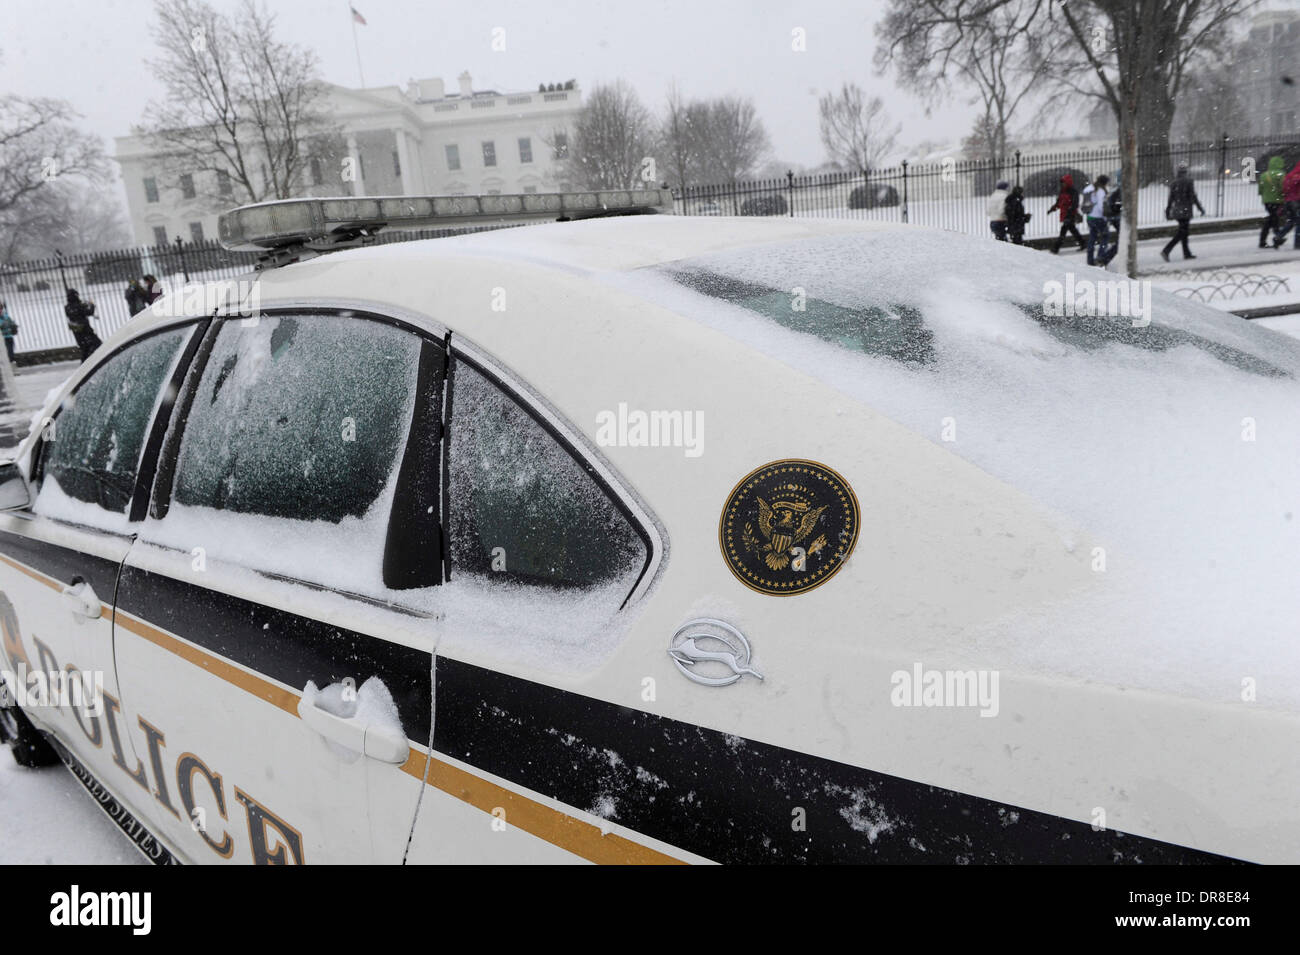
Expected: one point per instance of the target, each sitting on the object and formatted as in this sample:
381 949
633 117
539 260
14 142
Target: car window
522 509
91 452
290 447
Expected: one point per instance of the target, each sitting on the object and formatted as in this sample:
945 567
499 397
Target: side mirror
14 493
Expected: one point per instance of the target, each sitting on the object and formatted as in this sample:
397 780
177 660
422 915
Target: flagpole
355 45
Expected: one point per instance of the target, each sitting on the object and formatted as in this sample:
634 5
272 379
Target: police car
653 539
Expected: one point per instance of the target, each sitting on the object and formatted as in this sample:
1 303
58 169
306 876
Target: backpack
1111 208
1089 200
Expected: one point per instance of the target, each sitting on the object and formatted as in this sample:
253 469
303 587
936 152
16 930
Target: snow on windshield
1176 445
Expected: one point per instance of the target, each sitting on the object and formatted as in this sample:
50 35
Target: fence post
180 250
1219 174
62 277
904 190
1017 167
789 178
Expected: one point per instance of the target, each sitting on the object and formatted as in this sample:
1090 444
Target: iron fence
34 292
953 194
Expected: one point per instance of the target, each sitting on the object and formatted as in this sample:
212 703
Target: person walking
1270 193
78 314
152 290
9 329
1017 217
1291 208
997 210
135 297
1113 210
1067 202
1182 197
1093 205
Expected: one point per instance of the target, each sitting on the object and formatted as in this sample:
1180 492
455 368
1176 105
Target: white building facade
421 140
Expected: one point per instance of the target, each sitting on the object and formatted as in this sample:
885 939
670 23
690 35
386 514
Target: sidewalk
1235 250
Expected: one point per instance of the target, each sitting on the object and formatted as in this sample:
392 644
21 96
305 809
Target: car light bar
322 224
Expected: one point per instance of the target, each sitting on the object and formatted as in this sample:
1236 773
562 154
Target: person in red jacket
1291 200
1067 201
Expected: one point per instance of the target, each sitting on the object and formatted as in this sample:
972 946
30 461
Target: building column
358 184
404 160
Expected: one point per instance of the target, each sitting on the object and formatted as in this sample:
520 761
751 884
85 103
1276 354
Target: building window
397 165
151 189
525 149
453 156
561 145
159 235
530 189
489 153
196 232
317 174
494 192
223 183
187 186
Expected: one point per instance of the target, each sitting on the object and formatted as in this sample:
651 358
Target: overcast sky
92 53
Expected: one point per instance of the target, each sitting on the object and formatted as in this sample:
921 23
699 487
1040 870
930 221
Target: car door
548 558
281 692
59 558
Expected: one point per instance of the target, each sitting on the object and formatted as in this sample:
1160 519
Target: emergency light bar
323 224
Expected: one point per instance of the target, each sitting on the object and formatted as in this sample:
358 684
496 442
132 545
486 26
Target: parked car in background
1047 182
771 204
873 196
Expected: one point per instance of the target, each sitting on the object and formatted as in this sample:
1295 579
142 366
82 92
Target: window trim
586 456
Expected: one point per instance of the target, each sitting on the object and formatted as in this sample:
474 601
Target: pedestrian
79 314
1114 210
1093 205
1270 187
1182 197
135 297
1067 202
997 210
1017 217
152 290
8 328
1291 198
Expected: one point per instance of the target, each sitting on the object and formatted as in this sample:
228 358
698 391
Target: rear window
897 294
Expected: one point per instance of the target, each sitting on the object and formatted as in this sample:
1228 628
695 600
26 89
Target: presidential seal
788 526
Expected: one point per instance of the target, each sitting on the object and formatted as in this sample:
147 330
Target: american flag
356 16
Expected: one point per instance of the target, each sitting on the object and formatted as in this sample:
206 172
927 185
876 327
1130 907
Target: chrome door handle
79 597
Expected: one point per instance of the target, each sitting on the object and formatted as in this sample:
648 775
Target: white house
421 140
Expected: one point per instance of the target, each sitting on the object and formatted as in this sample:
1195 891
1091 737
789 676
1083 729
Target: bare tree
242 109
734 141
855 129
681 136
1003 49
40 149
72 216
1138 51
611 139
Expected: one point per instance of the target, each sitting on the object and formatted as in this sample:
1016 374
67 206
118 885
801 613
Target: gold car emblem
788 526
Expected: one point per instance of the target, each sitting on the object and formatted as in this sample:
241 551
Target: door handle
385 743
79 597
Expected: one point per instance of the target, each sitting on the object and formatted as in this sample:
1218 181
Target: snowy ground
46 817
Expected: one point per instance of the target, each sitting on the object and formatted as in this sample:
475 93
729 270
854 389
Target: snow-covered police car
656 539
